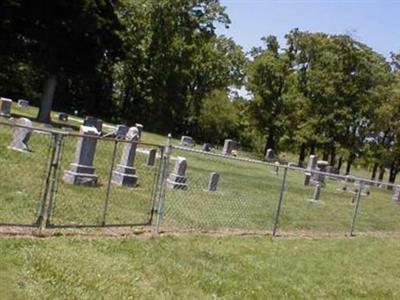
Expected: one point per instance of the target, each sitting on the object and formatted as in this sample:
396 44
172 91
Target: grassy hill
199 267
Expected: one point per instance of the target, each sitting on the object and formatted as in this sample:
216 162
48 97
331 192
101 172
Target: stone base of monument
177 182
124 176
81 175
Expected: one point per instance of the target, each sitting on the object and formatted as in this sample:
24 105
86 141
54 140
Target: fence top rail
110 139
76 134
38 129
288 166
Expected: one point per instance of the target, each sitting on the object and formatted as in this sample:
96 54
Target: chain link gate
107 202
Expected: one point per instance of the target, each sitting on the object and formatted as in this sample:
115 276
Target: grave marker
177 179
187 141
213 182
23 103
5 107
125 173
21 135
82 171
151 159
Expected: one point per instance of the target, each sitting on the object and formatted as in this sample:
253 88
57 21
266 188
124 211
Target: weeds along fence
76 180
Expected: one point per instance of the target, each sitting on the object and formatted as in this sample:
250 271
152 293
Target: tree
60 38
219 118
174 60
338 80
268 75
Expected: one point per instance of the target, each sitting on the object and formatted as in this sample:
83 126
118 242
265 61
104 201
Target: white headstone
187 141
21 135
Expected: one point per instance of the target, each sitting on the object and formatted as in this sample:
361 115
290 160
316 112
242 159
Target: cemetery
113 181
191 149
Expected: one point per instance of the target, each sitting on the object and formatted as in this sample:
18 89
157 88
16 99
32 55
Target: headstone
21 135
125 173
187 141
5 107
311 165
82 171
63 117
140 128
121 132
229 145
317 193
151 159
207 147
396 194
269 155
321 166
177 179
213 182
93 122
23 103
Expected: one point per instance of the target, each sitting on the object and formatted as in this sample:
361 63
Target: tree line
162 63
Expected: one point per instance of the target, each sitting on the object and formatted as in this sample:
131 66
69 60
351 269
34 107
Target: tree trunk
349 163
46 102
302 155
392 175
374 170
325 155
340 162
333 156
270 143
381 173
312 150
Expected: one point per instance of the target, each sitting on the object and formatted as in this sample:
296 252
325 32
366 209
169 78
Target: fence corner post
163 182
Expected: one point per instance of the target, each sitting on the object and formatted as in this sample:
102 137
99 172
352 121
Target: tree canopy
162 63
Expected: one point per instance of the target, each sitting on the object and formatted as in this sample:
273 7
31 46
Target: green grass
199 267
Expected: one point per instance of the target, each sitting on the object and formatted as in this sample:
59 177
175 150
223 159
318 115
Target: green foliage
218 118
268 75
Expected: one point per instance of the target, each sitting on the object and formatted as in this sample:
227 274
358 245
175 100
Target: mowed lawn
199 267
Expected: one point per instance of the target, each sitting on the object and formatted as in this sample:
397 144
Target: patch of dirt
149 231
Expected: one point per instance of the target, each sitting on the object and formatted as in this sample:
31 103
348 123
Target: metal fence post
163 182
279 208
103 222
355 212
46 207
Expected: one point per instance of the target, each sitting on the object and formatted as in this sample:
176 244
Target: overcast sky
376 23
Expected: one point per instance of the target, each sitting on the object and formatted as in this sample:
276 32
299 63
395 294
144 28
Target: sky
373 22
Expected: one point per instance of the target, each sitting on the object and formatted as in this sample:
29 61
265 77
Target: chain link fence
23 175
240 196
254 196
58 179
